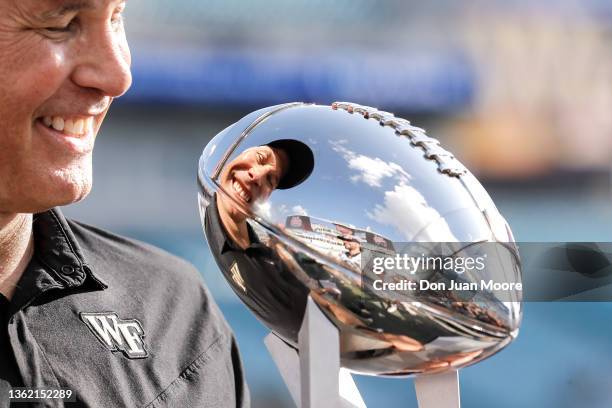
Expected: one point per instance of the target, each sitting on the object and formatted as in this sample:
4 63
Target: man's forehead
58 7
79 3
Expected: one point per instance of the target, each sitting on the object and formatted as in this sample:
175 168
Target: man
352 255
256 270
113 321
253 175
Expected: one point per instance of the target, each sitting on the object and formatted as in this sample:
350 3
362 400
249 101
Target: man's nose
104 63
257 175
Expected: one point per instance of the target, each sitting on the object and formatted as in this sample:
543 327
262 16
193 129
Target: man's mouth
241 191
70 126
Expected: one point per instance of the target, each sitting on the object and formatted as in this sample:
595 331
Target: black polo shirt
119 322
258 276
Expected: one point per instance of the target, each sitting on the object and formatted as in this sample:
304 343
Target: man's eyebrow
264 151
67 8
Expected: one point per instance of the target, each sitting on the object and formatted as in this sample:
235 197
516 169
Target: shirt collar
216 227
58 261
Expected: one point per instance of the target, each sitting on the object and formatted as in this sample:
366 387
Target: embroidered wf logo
117 334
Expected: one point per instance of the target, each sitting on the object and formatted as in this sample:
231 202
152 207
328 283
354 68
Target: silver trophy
325 221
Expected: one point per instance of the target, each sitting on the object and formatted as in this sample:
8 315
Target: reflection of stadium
337 240
332 238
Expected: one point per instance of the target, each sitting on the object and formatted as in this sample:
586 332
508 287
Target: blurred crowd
518 89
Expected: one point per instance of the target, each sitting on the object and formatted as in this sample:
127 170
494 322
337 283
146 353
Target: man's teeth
243 194
70 126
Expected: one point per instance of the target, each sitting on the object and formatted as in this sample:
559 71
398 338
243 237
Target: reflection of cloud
263 209
407 210
371 170
404 207
298 210
267 211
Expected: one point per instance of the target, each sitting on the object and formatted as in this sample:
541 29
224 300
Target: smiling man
113 321
255 272
253 175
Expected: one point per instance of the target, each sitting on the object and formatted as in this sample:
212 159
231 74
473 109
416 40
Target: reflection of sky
369 170
349 185
357 178
383 185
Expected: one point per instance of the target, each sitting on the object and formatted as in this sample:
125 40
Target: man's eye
117 19
71 26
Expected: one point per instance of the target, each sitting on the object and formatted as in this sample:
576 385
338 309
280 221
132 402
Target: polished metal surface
300 200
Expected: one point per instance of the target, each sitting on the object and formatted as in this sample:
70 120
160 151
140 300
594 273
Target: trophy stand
315 379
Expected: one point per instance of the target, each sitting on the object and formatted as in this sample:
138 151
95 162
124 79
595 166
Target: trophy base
315 379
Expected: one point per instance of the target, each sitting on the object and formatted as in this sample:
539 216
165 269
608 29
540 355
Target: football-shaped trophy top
393 238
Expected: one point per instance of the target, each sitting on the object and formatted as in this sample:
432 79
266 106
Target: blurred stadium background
520 91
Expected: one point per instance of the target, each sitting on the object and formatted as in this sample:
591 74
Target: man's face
61 64
353 248
254 174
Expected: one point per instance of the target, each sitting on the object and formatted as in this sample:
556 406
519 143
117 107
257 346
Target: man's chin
229 210
73 192
58 193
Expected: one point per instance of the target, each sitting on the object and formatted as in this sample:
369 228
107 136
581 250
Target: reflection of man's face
62 63
353 248
253 175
